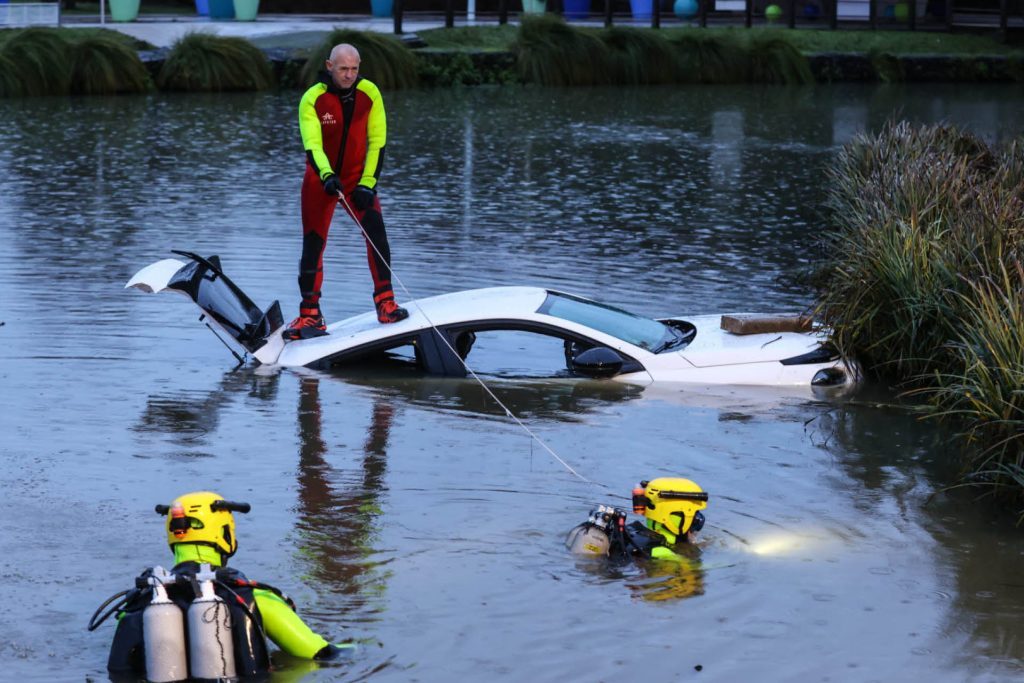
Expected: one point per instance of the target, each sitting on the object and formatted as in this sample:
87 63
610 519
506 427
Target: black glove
332 185
362 197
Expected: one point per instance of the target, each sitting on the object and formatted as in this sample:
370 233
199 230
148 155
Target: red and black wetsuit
344 133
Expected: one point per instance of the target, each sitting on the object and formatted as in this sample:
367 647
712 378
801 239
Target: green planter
123 10
246 10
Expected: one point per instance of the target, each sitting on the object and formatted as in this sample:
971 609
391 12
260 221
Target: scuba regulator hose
94 623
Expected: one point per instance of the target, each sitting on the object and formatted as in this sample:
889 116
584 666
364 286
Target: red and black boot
387 310
309 324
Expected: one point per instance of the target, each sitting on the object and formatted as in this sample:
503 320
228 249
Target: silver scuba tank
588 539
210 642
163 632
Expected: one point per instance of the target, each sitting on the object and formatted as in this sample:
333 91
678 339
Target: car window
643 332
514 353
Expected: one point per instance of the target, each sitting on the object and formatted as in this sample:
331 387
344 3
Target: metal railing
831 14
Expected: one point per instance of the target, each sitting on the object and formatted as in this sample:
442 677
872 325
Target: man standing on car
344 130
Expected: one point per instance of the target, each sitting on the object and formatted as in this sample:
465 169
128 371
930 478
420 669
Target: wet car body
598 340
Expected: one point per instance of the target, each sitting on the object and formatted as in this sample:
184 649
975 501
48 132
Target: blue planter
381 8
685 9
222 9
642 9
577 9
203 8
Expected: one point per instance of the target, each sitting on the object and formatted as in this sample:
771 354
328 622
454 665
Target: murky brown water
409 513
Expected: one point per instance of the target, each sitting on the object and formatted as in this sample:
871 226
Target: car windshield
643 332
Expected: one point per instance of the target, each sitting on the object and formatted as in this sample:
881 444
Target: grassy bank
542 50
895 43
925 282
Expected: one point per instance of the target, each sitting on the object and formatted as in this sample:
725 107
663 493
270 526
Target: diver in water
671 507
202 619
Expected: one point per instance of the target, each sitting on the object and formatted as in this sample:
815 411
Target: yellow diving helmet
205 518
673 502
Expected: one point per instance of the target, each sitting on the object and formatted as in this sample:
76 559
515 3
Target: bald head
343 49
343 65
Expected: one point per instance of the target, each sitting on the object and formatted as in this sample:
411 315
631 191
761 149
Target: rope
469 370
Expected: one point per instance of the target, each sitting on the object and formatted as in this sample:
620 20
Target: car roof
465 306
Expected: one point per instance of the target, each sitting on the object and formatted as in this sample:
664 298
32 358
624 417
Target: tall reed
984 387
923 279
206 62
383 59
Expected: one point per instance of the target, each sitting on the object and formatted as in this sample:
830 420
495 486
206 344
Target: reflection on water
651 580
337 514
409 512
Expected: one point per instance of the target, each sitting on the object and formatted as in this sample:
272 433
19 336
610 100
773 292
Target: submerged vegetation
205 62
926 280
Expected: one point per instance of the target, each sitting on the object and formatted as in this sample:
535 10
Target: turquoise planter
685 9
123 10
246 10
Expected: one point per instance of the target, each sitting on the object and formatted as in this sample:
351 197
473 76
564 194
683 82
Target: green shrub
639 57
706 57
40 60
551 52
10 83
383 59
104 64
205 62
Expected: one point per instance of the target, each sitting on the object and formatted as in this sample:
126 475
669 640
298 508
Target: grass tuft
706 57
103 64
210 63
41 60
639 57
10 83
551 52
383 59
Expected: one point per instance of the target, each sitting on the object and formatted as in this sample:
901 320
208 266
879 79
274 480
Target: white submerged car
598 340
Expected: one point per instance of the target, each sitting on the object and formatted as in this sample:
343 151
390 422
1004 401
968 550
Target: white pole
103 11
471 11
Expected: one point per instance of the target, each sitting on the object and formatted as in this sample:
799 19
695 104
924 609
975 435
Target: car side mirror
598 363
